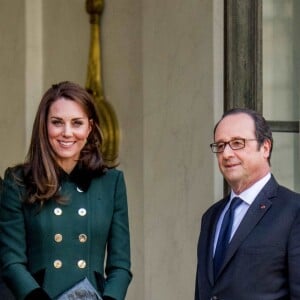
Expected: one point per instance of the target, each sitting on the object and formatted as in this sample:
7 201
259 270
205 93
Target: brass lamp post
108 119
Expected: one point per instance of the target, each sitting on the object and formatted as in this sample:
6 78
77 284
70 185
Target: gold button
57 264
58 237
58 211
82 238
82 212
81 264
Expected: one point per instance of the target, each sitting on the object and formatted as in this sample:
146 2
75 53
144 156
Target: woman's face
68 129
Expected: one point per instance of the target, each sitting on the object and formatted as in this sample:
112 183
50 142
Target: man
259 257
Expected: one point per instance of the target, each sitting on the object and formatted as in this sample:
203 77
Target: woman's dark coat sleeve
13 240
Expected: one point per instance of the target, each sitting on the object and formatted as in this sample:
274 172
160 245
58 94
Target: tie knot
235 202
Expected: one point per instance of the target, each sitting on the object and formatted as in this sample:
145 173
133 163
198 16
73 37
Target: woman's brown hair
41 171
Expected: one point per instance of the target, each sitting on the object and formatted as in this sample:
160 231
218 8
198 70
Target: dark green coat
59 245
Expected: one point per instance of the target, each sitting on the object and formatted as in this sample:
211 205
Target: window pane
281 59
285 160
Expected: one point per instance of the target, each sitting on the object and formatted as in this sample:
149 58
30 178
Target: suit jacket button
82 238
81 264
57 264
82 212
58 238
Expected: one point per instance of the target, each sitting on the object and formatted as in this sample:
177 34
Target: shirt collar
80 176
250 194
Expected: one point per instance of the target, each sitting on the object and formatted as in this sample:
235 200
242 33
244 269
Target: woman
62 209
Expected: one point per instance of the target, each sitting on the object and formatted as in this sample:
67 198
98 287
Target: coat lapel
256 211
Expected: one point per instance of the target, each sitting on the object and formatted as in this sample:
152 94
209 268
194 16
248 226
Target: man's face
241 168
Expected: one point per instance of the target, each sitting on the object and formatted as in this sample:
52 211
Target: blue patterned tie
224 235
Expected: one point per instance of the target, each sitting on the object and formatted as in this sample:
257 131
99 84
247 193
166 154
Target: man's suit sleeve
196 286
294 259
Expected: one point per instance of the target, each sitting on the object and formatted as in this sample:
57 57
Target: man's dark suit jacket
263 258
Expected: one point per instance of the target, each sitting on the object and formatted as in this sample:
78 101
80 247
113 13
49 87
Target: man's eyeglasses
234 144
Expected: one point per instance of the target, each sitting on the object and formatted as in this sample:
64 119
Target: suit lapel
256 211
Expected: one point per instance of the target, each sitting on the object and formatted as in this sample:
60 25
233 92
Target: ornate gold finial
108 120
